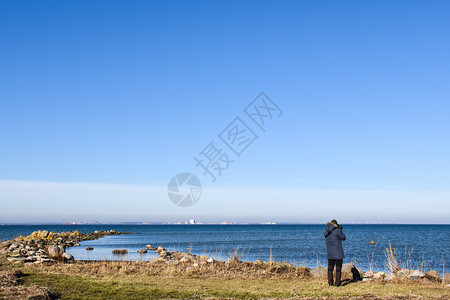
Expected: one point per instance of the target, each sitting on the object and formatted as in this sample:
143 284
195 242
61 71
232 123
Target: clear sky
102 102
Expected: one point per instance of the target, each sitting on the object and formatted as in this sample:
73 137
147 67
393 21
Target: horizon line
131 223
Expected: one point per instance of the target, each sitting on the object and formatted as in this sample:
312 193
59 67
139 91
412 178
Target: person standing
335 253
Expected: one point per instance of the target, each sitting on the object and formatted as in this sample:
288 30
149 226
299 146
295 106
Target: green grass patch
79 287
157 287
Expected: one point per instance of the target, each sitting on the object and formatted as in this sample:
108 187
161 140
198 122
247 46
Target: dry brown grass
392 262
159 267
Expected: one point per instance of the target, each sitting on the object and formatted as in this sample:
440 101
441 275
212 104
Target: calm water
426 246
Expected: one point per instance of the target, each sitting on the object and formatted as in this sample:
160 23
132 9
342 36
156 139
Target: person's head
334 222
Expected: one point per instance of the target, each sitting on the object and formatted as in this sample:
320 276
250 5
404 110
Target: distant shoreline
237 223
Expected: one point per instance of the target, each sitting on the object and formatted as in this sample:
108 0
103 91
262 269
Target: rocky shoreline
48 247
350 273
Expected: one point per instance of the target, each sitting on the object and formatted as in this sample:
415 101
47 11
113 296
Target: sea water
416 246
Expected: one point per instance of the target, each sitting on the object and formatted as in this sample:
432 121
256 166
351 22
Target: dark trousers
331 264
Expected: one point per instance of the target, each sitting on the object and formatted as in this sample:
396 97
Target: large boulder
350 273
346 268
54 252
433 275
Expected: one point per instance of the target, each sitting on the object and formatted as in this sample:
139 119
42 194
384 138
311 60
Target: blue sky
103 96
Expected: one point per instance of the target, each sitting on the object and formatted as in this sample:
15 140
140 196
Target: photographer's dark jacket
334 242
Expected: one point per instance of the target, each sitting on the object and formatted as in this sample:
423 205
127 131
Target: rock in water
89 248
142 251
120 251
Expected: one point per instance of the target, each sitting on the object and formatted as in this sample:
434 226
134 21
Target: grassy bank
157 287
141 280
